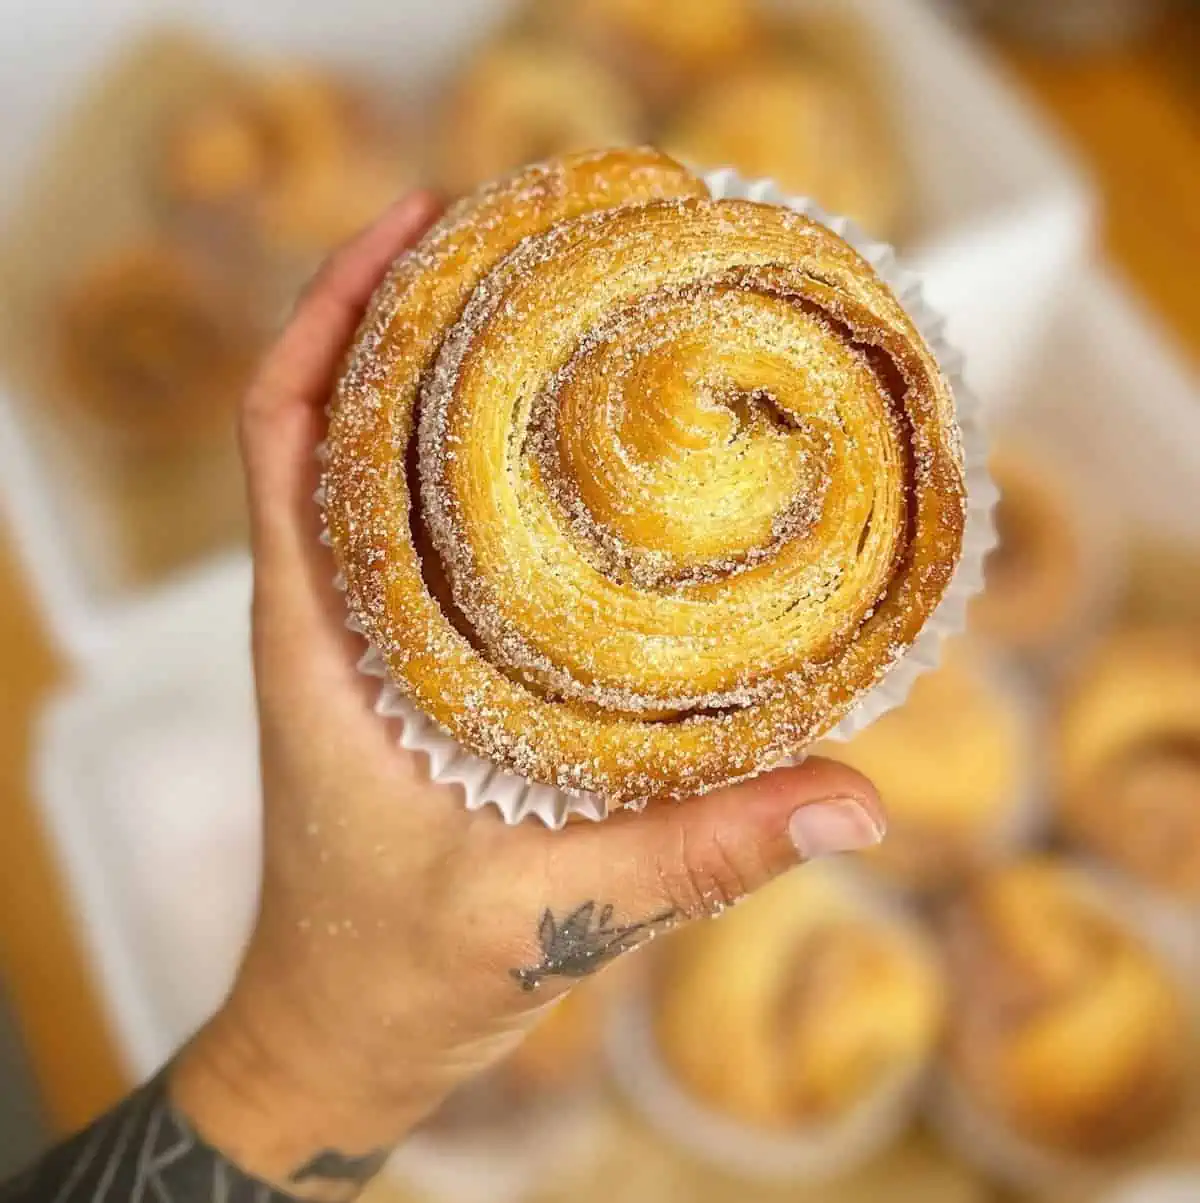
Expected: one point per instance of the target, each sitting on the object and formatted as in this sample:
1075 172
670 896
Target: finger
696 858
282 416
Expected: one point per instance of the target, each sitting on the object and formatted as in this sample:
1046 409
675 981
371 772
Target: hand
404 943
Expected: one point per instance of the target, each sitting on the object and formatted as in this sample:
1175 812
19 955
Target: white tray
163 876
1004 218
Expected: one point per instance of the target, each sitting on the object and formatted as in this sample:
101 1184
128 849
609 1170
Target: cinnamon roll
1038 579
796 1006
1128 758
798 122
298 159
634 491
1066 1029
664 45
522 100
153 348
951 765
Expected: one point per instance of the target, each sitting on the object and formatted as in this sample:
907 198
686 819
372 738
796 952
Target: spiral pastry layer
636 492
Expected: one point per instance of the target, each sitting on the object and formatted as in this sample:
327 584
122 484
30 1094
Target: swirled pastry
636 492
949 764
665 45
153 348
1128 758
1065 1028
523 100
795 1006
292 154
798 122
1037 580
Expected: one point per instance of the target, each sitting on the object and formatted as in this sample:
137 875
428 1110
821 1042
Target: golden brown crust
155 350
522 100
296 157
1066 1026
799 123
1128 757
666 46
815 1002
656 420
1036 579
950 765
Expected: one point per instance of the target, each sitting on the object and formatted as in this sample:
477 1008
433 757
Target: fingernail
837 825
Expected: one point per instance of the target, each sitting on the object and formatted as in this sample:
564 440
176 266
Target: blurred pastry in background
664 46
802 124
519 101
796 1006
1065 1028
154 348
952 767
1039 581
1127 758
294 156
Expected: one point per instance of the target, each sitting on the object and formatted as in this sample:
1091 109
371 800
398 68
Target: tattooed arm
145 1151
402 943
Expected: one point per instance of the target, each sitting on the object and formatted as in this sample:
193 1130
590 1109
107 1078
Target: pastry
796 1006
634 491
1037 579
801 124
1128 758
950 766
1066 1030
523 100
294 156
154 349
664 45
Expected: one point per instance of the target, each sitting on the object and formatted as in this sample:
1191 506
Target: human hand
404 943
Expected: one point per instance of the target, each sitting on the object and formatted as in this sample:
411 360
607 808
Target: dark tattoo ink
143 1151
585 941
332 1166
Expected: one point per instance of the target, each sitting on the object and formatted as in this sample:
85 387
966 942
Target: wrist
271 1090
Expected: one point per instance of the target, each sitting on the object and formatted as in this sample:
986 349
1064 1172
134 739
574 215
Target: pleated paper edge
485 783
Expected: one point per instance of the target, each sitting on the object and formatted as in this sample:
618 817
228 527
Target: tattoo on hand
584 941
143 1151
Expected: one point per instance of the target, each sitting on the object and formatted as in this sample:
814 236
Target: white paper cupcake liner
983 1140
816 1153
515 798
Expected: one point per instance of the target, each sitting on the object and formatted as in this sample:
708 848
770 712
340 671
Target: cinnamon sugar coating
637 492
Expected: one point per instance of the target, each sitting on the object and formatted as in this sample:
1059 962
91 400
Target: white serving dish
1003 218
163 879
147 775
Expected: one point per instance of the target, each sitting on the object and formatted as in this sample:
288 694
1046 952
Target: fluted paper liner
485 783
812 1152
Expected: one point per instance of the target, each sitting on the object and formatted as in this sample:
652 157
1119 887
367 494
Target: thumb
696 858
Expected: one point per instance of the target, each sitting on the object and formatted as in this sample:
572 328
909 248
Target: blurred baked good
521 101
796 1005
1127 761
299 158
950 766
1038 580
153 348
663 45
799 122
1065 1028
